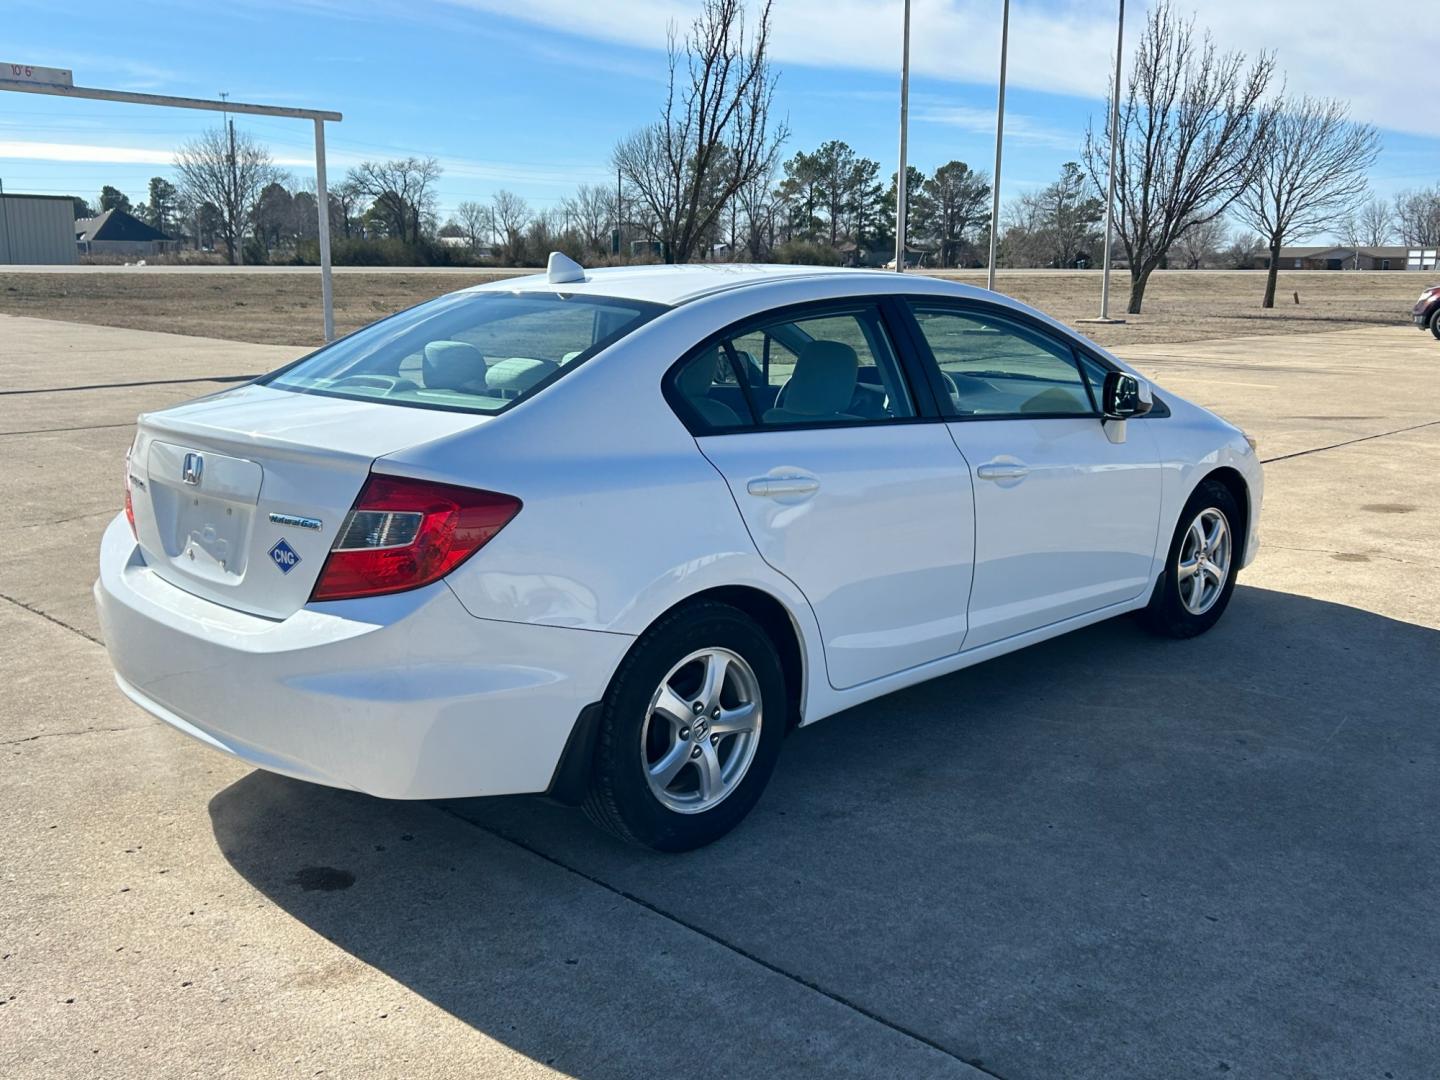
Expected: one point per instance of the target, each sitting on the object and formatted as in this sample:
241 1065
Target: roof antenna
561 268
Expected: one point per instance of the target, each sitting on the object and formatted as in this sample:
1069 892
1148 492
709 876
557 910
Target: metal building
37 229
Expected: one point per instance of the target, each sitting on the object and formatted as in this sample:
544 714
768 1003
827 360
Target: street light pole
999 143
900 177
1110 196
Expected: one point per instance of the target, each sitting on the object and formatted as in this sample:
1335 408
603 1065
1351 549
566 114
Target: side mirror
1122 397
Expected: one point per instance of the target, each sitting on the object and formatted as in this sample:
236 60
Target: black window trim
917 384
930 367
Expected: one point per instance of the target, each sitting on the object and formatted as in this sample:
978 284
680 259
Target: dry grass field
284 308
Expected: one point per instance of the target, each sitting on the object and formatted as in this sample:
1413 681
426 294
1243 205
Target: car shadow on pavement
1105 855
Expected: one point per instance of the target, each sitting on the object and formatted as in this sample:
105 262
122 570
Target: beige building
1341 257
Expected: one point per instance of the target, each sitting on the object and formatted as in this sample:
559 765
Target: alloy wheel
702 730
1204 563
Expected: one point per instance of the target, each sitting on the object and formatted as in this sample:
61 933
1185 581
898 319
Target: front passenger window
993 366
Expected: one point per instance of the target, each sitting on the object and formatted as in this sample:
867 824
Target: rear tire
674 777
1200 567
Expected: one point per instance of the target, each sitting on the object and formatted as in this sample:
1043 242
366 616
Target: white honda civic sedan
609 535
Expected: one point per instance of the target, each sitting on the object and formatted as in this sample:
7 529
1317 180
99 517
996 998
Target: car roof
680 283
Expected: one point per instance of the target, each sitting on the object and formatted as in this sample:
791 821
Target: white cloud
87 152
561 175
1379 56
976 121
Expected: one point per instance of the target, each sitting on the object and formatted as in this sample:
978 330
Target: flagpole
999 143
901 194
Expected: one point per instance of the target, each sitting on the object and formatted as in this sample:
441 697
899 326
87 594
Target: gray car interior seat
511 378
453 365
694 382
821 387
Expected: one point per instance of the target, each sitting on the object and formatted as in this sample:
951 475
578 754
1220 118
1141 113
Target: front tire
1199 577
1435 323
690 730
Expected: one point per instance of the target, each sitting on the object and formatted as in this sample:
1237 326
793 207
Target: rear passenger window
832 367
992 366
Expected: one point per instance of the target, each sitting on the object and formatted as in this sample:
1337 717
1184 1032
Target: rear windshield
471 352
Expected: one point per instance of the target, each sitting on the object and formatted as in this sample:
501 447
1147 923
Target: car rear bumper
405 696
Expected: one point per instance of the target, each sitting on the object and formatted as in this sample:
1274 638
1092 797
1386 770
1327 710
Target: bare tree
1244 249
714 134
344 203
227 169
402 191
512 214
1310 172
543 234
1417 217
1200 246
1375 223
759 205
589 212
473 219
1191 123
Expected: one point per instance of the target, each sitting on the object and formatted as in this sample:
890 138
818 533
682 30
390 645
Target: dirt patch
284 308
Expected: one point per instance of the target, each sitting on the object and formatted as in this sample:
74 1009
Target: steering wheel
953 388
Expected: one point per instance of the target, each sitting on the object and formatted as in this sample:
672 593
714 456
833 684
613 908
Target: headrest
824 379
450 365
512 377
696 377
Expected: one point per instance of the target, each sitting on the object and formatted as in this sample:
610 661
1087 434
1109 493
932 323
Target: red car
1426 311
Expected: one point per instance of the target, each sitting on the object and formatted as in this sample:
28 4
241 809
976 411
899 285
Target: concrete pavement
1105 856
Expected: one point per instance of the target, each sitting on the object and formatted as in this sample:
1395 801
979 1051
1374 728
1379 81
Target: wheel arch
779 626
571 777
1235 483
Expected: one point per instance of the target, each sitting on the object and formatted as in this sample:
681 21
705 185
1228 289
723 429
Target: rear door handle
1002 470
776 487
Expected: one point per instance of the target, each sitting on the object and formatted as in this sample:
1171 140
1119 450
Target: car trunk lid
238 497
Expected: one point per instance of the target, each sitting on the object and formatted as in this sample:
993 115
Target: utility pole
619 212
999 143
901 207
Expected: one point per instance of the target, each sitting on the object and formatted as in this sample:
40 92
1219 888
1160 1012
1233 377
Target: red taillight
405 533
129 500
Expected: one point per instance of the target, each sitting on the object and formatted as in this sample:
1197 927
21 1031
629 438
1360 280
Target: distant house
1337 258
117 233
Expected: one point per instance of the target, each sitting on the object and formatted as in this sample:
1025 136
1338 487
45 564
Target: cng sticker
284 556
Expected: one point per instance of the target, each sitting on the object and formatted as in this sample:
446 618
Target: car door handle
775 487
1002 470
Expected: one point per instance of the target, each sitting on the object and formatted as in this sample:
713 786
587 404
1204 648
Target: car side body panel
624 518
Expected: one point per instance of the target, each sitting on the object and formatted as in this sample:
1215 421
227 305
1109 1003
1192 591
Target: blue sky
532 96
